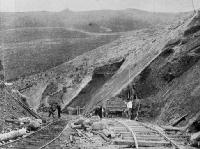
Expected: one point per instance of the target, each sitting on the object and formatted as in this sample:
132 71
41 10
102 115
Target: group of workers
132 106
57 100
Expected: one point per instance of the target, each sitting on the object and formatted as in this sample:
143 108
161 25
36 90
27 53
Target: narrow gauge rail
39 139
141 136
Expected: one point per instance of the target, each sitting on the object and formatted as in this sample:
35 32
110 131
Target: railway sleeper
141 138
142 143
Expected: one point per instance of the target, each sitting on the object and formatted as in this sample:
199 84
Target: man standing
98 111
135 109
51 111
59 110
128 109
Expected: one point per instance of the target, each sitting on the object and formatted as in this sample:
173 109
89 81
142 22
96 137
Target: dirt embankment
168 85
9 108
164 69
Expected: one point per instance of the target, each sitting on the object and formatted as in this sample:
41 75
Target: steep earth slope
9 107
166 79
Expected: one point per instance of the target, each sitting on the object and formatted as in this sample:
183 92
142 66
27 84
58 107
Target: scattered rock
34 125
195 139
99 126
24 120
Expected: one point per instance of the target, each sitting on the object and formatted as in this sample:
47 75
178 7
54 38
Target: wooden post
76 110
79 111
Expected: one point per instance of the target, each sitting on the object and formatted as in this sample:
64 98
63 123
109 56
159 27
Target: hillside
32 50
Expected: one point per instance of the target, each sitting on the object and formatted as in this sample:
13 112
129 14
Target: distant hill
92 21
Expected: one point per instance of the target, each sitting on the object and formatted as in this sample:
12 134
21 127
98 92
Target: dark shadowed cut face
64 89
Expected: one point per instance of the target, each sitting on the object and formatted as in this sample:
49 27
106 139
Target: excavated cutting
100 76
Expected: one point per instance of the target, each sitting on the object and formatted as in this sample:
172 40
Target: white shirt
129 104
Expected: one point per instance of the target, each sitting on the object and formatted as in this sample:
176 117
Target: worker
98 111
135 109
59 110
128 109
104 110
101 112
57 99
51 110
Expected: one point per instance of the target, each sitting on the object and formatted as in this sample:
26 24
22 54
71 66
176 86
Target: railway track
39 139
141 136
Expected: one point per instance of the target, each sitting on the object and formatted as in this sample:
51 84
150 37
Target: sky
85 5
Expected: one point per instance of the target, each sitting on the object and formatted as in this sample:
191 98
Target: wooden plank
132 123
134 127
178 136
144 133
170 128
138 133
142 143
157 147
118 127
126 135
142 138
177 121
139 130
